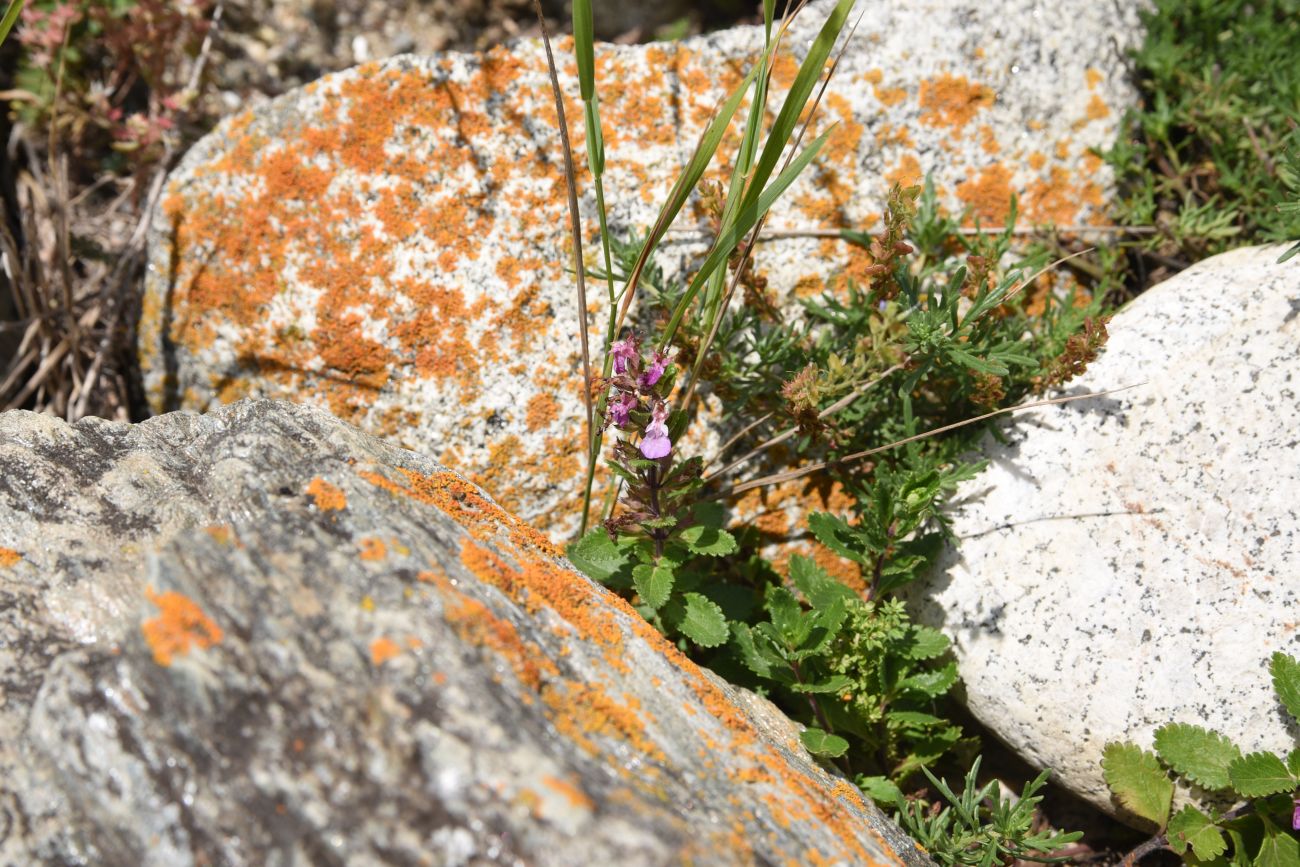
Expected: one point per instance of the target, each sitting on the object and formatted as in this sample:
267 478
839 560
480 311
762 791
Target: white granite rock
390 242
1133 560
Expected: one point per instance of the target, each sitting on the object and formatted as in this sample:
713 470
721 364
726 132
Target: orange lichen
542 411
952 100
1097 108
9 557
180 626
383 649
908 171
326 497
372 548
582 711
989 194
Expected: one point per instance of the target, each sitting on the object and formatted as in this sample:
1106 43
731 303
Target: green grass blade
11 16
795 101
745 220
685 184
584 48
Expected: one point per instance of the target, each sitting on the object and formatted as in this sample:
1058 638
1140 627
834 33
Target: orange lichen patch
1036 160
9 557
908 171
1058 198
327 497
989 194
180 626
989 141
582 711
1093 77
542 411
1097 108
475 623
372 548
571 792
952 100
222 534
383 649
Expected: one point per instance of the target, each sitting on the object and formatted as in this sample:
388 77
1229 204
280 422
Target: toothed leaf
1190 827
654 583
1286 680
703 621
821 743
596 555
1200 755
708 541
1260 774
1138 781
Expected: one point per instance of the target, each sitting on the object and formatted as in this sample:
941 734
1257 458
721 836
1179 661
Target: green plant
14 9
1254 832
1201 161
980 827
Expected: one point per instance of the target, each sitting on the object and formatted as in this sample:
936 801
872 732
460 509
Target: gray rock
261 637
390 242
1130 561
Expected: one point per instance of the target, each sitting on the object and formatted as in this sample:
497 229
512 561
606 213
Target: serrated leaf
596 555
836 683
834 533
1286 681
703 621
1200 755
1190 827
881 790
786 614
1138 781
926 643
824 744
743 640
1278 849
813 582
709 541
931 683
1260 774
654 583
913 718
1293 762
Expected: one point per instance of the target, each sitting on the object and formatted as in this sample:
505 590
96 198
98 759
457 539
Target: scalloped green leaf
824 744
932 683
1200 755
708 541
703 621
596 555
654 583
1293 762
1138 781
1260 774
926 643
881 790
1189 827
1286 681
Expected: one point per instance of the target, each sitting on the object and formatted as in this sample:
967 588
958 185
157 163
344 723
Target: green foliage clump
1258 832
1221 95
980 827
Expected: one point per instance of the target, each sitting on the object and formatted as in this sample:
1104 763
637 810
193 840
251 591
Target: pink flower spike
624 352
658 362
656 443
1295 815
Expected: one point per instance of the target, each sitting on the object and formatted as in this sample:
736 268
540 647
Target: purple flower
620 407
658 362
624 353
1295 815
656 444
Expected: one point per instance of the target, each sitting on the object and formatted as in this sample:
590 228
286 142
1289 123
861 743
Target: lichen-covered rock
261 637
1130 561
390 242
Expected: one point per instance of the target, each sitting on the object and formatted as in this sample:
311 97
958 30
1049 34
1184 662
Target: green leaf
926 643
709 541
837 683
834 533
913 719
654 583
584 48
1286 681
1260 774
820 588
596 555
824 744
881 790
1278 849
932 683
1200 755
1138 781
11 15
1190 827
703 622
1293 762
786 614
743 640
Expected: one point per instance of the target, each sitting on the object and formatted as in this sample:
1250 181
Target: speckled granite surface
1133 560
